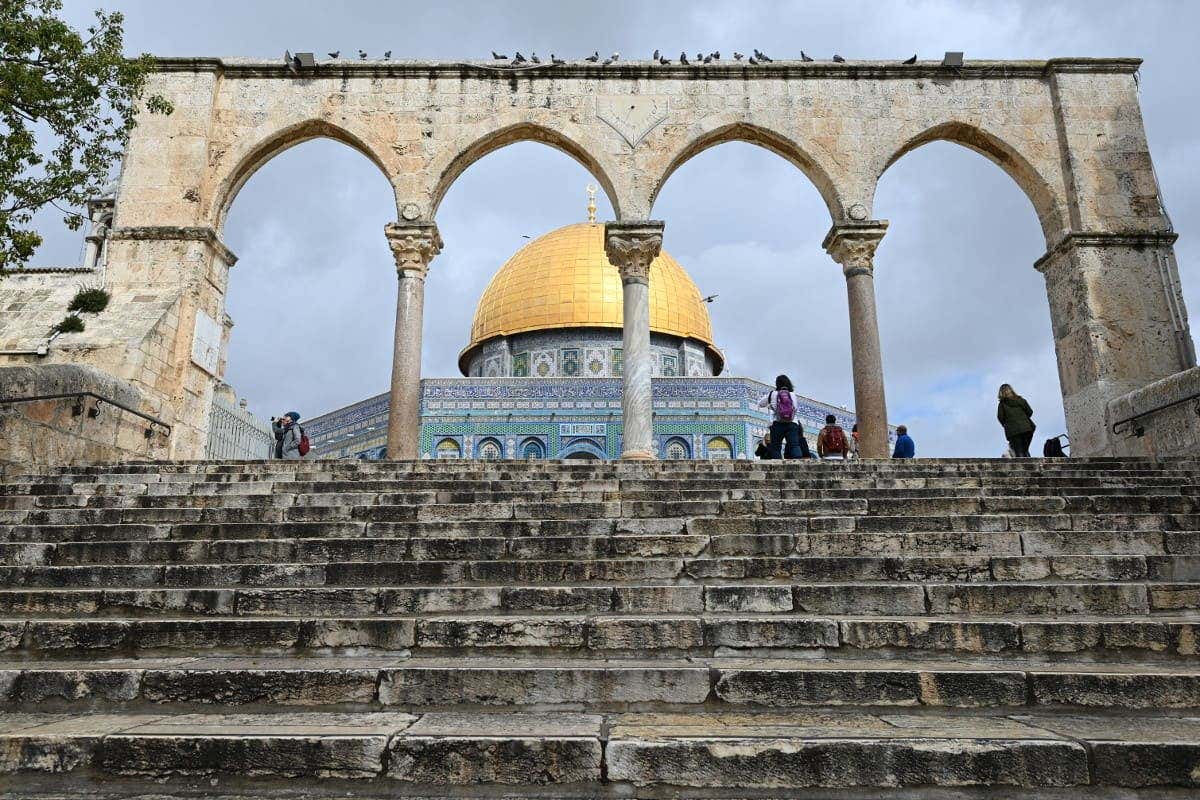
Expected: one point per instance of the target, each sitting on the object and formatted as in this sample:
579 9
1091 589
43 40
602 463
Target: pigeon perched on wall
518 58
534 58
753 61
556 61
737 56
335 54
594 57
606 62
664 60
708 59
699 56
683 58
912 60
387 54
764 58
362 54
615 56
657 55
805 56
499 56
716 55
838 59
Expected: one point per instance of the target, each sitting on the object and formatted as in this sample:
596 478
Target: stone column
852 244
631 247
414 244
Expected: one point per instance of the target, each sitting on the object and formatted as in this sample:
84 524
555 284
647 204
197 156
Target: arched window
449 448
719 449
676 449
533 450
490 450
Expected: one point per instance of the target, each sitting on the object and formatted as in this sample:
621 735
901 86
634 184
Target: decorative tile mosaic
521 365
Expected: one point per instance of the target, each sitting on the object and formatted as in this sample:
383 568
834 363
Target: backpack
785 409
835 439
305 445
1054 448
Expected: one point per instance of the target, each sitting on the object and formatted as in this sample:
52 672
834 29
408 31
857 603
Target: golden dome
564 280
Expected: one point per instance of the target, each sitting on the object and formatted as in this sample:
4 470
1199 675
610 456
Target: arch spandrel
457 150
229 172
1038 184
717 129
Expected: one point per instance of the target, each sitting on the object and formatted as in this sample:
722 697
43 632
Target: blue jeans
797 445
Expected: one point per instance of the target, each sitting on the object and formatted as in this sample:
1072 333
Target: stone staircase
536 629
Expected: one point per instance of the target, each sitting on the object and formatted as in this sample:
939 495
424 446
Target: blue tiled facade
498 417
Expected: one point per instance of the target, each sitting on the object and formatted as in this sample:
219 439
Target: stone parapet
1160 419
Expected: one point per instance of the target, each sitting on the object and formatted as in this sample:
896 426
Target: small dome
564 280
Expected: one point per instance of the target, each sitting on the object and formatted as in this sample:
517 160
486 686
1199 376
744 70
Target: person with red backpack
784 427
832 441
291 442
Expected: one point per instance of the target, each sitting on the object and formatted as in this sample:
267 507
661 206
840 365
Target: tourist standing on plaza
905 446
763 451
854 441
291 442
832 440
1017 418
784 428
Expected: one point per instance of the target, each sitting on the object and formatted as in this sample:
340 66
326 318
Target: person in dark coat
905 446
1016 416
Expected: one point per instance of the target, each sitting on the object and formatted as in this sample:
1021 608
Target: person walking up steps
905 447
832 441
784 428
1016 417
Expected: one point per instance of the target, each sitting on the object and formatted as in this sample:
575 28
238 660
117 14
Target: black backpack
1054 447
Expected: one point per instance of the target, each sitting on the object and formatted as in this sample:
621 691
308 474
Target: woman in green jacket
1017 418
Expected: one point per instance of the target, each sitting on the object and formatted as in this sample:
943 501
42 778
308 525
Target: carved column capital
414 245
632 246
853 244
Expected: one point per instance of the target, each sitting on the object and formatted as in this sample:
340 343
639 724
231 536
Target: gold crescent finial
591 190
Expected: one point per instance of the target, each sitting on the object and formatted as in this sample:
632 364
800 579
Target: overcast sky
961 308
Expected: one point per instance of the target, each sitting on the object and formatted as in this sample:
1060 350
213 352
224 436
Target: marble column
414 244
852 244
631 247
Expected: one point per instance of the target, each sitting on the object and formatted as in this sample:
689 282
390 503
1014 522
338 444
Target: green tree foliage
67 104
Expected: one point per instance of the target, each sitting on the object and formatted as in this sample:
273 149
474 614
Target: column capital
632 246
414 245
853 244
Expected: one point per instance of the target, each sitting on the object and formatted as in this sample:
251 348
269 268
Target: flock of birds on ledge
518 60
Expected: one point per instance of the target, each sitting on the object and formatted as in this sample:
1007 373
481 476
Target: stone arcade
1068 131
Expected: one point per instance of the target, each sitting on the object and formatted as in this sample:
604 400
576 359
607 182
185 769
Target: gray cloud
961 308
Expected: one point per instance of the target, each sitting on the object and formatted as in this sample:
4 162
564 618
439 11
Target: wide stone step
990 598
1169 635
606 754
374 683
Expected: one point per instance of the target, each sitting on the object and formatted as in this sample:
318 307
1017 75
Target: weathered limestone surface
1068 131
1161 418
928 629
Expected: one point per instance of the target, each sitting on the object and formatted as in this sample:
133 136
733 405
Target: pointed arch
487 139
1036 187
712 132
284 139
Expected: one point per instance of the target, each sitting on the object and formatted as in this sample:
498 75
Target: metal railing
236 434
1139 430
79 409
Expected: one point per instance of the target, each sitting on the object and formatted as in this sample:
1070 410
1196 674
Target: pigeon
534 58
838 59
708 59
716 55
615 56
737 56
606 62
657 55
499 56
335 54
556 61
664 60
683 59
912 60
518 58
699 56
764 58
362 54
805 56
387 54
753 60
594 57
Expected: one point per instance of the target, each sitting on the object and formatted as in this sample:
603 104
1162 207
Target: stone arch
677 447
1041 194
583 446
489 449
231 184
713 131
504 130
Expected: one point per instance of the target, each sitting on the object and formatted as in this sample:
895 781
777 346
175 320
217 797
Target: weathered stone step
645 752
1176 634
1120 598
366 683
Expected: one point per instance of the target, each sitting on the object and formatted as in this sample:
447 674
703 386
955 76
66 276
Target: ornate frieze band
1105 239
853 245
632 246
176 233
414 245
